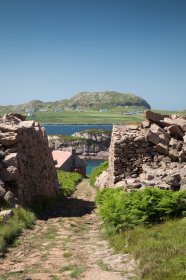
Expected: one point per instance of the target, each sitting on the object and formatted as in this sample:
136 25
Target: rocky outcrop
27 171
151 154
88 144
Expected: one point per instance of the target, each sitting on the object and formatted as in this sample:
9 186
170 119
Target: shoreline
77 124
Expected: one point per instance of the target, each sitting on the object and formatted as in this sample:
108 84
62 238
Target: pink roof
60 157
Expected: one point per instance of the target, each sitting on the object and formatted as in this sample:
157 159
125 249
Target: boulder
157 135
9 174
8 138
162 149
6 214
181 122
2 189
10 198
101 180
155 117
10 160
146 124
176 131
167 122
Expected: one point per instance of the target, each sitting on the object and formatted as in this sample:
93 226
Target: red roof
60 157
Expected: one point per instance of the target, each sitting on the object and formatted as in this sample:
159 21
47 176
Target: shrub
121 210
68 181
97 171
10 229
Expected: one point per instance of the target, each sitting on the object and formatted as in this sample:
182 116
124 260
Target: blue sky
53 49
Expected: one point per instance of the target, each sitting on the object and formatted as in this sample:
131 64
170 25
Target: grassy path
67 245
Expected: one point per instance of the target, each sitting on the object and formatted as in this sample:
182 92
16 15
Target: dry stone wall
27 170
150 154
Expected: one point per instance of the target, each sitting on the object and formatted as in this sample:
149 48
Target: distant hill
83 101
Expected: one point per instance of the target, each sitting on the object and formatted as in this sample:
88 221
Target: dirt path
65 246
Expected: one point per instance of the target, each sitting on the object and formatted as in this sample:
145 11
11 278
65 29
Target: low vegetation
97 171
68 181
11 228
151 226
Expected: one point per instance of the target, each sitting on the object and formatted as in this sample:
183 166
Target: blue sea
91 163
69 129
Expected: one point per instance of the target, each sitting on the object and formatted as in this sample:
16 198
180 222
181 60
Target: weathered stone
176 131
10 198
146 124
167 122
181 122
173 154
8 138
10 160
9 174
26 124
162 149
155 117
8 128
173 142
2 189
157 135
6 214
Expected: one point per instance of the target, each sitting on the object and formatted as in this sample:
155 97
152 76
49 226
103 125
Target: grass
76 270
89 117
10 229
151 226
68 181
104 266
97 171
160 250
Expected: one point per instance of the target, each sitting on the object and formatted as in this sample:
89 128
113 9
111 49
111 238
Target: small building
69 161
29 112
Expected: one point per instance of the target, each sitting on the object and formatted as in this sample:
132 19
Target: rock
9 174
181 122
26 124
166 122
6 214
173 142
8 128
184 138
146 124
8 138
176 131
183 187
173 154
2 189
157 135
101 180
162 149
10 198
2 154
10 160
154 117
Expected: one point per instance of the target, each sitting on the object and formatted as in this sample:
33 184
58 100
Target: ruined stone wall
150 154
27 170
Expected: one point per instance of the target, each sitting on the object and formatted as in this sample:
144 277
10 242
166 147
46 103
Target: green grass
68 181
146 224
10 229
76 270
121 210
160 251
89 117
97 171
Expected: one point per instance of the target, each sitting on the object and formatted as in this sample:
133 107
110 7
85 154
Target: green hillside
83 101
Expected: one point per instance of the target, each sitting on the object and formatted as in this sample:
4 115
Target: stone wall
27 170
150 154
